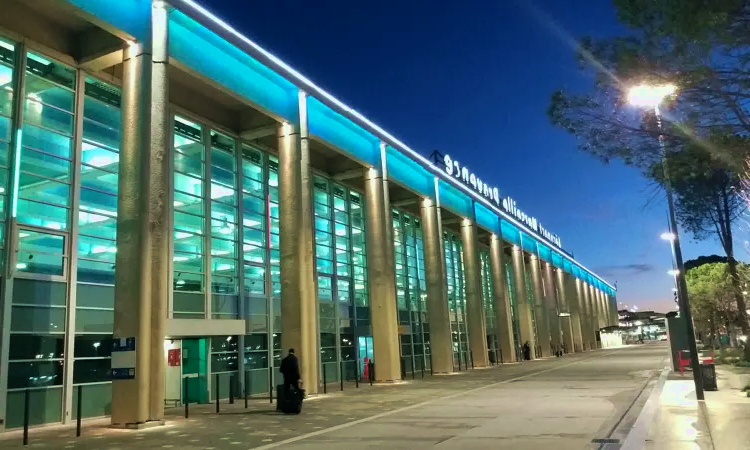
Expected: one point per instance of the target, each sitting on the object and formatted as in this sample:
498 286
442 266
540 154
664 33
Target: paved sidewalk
259 425
679 421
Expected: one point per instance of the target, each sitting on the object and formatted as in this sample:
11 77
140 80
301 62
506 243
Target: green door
195 369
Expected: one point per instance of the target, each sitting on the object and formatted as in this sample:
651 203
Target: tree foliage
702 47
711 294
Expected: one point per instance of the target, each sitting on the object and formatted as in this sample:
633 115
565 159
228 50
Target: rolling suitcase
290 402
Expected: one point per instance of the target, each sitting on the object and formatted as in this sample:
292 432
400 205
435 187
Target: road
561 403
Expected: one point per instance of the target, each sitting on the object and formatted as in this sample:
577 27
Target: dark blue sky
473 79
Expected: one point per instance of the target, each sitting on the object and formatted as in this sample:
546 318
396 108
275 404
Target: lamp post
651 97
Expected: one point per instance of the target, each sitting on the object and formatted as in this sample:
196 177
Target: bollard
186 396
356 374
270 384
217 393
431 372
78 411
26 399
231 389
325 382
247 386
403 368
471 355
413 361
341 375
459 361
372 372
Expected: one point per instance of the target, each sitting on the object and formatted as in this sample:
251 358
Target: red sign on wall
173 357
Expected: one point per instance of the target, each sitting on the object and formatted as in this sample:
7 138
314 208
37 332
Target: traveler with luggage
290 395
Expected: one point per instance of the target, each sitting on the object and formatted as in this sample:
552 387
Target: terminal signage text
492 193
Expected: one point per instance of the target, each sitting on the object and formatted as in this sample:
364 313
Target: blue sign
123 358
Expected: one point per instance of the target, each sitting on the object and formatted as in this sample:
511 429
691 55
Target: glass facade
60 143
454 264
344 314
510 291
411 292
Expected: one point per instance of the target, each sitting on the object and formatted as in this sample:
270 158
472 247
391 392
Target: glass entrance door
364 350
195 370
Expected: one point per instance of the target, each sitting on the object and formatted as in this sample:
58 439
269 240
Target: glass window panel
34 374
47 117
25 346
92 370
99 180
92 346
37 319
190 183
94 320
46 141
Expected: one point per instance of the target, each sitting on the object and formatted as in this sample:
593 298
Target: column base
140 425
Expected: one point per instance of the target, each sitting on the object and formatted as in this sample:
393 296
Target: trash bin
708 373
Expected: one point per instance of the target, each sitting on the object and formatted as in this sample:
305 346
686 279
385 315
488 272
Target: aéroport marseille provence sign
453 168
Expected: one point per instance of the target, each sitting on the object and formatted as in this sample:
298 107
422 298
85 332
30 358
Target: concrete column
525 325
441 346
540 307
584 313
552 306
299 309
566 323
604 308
593 313
381 282
141 288
502 302
476 321
576 311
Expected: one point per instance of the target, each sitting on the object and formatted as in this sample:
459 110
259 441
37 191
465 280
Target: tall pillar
476 321
576 311
552 303
501 301
441 347
566 322
585 313
525 325
299 312
593 313
540 307
141 289
380 281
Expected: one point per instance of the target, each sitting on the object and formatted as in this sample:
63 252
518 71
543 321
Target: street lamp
647 96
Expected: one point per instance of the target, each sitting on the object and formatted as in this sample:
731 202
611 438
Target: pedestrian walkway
674 420
260 425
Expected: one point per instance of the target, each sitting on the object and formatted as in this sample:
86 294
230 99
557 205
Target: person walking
290 370
527 351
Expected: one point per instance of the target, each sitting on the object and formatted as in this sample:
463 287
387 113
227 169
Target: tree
702 47
711 293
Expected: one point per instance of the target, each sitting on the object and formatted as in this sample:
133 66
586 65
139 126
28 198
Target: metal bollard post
247 386
217 393
231 389
413 361
403 368
356 374
471 355
421 365
372 372
26 399
325 382
431 370
459 360
341 375
78 411
186 396
270 384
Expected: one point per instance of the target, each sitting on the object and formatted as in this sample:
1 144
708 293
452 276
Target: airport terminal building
177 203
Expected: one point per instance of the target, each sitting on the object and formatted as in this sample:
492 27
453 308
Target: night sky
473 79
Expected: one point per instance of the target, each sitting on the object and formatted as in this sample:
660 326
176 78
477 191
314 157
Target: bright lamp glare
673 272
650 96
668 236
